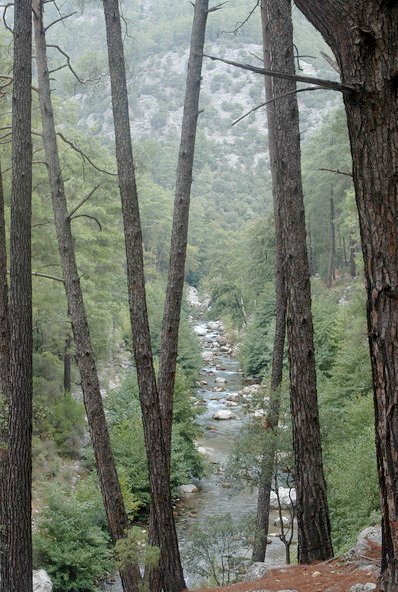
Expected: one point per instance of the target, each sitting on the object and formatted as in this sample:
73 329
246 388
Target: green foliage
124 415
71 543
135 549
352 476
216 553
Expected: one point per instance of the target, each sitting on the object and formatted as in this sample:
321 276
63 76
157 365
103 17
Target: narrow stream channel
220 379
213 497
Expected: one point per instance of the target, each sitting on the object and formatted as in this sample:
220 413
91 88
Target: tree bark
149 397
4 391
314 539
106 469
269 455
19 483
67 365
332 245
363 37
353 267
179 236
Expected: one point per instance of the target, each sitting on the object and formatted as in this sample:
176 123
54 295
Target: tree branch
83 201
218 7
292 92
68 62
49 277
242 24
61 18
329 84
337 172
84 156
87 216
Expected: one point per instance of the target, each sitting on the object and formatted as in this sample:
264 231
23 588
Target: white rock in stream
286 498
220 380
200 330
213 326
223 414
41 581
189 488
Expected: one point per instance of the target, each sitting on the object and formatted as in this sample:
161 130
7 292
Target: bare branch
84 156
61 18
6 7
87 216
68 62
59 68
331 61
83 201
49 277
44 223
337 172
292 92
329 84
242 24
218 7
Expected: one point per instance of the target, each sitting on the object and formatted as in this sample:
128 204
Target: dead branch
87 216
49 277
331 61
329 84
59 68
84 156
68 62
242 24
83 201
6 7
42 223
60 19
218 7
292 92
337 172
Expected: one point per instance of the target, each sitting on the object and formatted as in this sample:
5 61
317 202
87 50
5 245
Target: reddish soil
337 575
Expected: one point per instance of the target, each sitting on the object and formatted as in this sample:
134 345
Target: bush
71 542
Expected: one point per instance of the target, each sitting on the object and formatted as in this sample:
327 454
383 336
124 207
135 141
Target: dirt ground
337 575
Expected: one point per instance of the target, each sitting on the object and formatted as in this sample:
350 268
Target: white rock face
223 414
41 581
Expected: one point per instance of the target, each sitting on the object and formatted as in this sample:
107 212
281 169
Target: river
220 378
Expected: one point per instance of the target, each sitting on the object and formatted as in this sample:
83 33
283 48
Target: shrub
71 542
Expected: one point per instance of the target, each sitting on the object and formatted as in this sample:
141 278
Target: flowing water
215 497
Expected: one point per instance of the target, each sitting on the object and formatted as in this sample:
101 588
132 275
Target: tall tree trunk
311 258
268 462
109 483
353 267
314 539
149 397
67 365
332 245
4 391
363 37
19 483
179 237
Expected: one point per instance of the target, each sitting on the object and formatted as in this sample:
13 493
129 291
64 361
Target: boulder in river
188 488
286 498
285 521
213 326
233 397
200 330
41 581
220 380
222 414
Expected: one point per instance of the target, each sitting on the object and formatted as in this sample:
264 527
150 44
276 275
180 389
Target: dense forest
103 361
